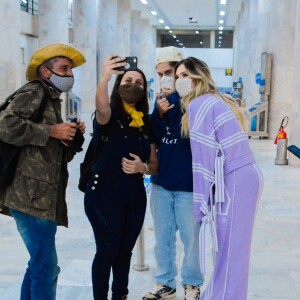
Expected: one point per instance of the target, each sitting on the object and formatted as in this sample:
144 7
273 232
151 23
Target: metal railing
140 243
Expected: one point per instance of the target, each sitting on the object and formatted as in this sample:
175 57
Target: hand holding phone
131 64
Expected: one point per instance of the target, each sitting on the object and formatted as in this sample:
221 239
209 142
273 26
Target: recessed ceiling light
197 32
222 13
223 1
167 27
170 31
180 44
174 36
201 42
161 21
177 41
144 1
221 28
221 21
153 12
220 32
220 37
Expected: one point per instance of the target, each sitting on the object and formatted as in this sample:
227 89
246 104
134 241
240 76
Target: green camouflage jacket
39 186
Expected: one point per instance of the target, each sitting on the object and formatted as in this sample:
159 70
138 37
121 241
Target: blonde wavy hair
199 72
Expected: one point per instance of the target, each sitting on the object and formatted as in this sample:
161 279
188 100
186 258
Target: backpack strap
42 107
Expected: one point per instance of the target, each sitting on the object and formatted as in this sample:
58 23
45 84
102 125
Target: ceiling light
222 1
161 21
222 13
201 42
24 1
197 32
221 21
167 27
177 41
220 42
174 36
220 37
220 32
170 31
153 12
221 28
180 44
144 1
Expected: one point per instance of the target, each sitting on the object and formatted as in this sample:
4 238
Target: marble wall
53 22
270 26
84 39
10 64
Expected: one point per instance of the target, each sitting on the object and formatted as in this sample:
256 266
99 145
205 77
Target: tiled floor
275 261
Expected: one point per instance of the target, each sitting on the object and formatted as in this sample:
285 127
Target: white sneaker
191 292
160 292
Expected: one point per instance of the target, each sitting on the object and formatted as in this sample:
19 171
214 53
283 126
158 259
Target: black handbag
86 167
9 154
92 154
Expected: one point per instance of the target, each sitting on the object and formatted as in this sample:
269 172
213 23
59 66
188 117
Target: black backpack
9 154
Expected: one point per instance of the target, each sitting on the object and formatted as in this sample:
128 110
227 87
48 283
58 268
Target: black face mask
131 93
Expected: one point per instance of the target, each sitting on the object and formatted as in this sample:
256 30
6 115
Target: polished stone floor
275 260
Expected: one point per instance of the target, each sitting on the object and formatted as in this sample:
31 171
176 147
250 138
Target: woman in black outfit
115 198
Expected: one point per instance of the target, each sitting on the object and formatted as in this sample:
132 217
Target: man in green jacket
36 197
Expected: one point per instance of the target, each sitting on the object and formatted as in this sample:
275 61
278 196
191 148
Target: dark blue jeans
38 234
116 212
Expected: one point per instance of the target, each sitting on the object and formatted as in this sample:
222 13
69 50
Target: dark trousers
116 213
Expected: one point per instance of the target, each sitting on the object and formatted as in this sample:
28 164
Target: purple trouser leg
235 221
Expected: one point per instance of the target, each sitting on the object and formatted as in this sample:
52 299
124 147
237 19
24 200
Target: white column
53 22
148 49
145 59
84 20
250 40
152 51
10 52
282 46
123 28
135 37
265 26
106 29
212 39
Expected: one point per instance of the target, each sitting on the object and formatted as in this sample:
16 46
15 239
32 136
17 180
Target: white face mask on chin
167 83
183 86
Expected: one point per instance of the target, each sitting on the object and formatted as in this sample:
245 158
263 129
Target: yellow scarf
137 116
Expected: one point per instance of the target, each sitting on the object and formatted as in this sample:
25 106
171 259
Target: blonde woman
226 180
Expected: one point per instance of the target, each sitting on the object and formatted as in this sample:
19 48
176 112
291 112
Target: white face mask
183 86
167 83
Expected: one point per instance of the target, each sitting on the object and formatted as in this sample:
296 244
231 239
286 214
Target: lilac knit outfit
224 174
